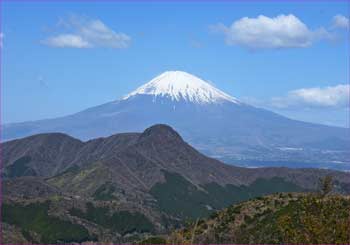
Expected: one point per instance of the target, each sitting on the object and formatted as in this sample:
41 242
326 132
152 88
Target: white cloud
283 31
67 40
85 33
1 39
332 96
340 21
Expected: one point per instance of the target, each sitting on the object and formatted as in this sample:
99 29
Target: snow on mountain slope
179 85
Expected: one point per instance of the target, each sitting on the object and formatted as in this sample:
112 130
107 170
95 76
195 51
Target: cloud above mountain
331 96
326 105
80 32
262 32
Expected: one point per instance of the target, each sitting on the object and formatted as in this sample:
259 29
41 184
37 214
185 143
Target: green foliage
127 222
309 220
20 168
224 196
104 192
262 187
123 222
34 217
26 234
316 220
71 170
153 240
181 198
277 219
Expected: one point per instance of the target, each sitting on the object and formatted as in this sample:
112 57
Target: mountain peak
180 85
160 131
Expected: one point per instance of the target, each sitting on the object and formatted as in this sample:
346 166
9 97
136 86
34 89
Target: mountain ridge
154 181
159 143
230 131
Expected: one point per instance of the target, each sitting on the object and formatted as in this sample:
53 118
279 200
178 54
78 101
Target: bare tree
326 185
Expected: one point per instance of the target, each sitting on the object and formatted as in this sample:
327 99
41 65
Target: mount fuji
214 122
181 86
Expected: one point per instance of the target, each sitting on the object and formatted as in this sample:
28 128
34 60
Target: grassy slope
279 218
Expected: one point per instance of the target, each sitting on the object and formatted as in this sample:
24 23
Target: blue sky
46 73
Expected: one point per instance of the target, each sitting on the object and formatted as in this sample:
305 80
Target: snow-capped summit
179 85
